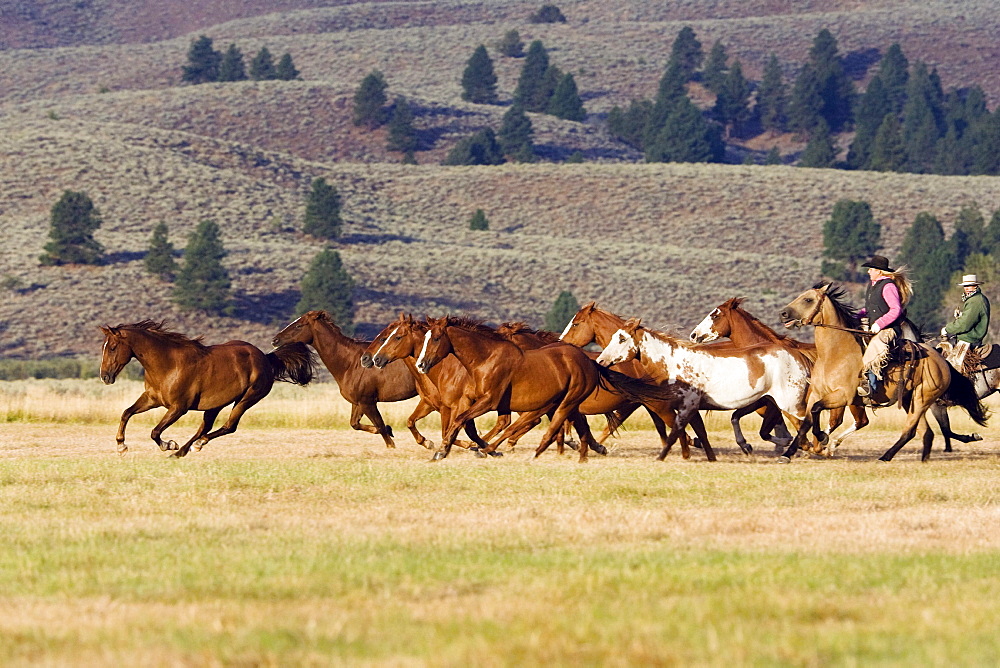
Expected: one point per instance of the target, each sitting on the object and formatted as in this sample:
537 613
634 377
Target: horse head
392 343
116 354
806 309
580 330
624 344
436 345
299 330
717 324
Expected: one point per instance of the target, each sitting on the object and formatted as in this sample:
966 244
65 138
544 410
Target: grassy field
299 542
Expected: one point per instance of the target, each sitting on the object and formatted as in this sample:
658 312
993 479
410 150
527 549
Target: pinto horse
184 375
361 387
595 325
724 378
446 386
729 320
985 382
834 380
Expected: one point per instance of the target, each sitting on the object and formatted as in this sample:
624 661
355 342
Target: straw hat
970 279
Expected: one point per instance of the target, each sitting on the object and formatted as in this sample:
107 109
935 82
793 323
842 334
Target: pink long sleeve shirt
891 295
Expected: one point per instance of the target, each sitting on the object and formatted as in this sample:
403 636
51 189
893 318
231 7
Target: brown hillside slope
662 241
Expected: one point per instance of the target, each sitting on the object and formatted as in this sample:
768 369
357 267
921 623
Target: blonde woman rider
886 297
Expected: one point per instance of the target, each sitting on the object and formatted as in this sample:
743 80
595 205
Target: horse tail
615 421
293 363
639 390
962 392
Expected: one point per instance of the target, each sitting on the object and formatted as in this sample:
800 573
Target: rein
863 332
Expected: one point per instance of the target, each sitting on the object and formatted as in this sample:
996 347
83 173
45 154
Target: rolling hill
90 99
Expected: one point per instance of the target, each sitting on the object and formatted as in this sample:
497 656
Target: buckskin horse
361 387
731 321
724 377
914 386
184 375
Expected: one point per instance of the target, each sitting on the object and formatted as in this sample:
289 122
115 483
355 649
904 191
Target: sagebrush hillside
103 111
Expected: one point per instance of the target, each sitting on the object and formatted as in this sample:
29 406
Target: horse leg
698 424
560 415
908 432
208 419
458 419
860 422
377 426
734 420
422 410
772 426
928 438
800 433
172 415
141 405
245 402
587 439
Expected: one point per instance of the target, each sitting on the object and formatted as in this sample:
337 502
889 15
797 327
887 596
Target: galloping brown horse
184 375
834 379
731 321
361 387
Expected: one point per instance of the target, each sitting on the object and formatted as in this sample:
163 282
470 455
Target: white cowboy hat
970 279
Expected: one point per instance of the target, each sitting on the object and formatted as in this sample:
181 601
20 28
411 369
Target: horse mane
754 319
512 328
838 297
475 326
327 320
159 331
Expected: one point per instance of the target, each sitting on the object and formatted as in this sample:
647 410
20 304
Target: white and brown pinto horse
727 378
834 381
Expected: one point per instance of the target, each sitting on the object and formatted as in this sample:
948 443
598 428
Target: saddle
968 360
903 354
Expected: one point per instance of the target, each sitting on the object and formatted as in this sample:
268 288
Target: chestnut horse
724 377
729 320
361 387
595 325
552 380
605 400
446 386
914 386
186 375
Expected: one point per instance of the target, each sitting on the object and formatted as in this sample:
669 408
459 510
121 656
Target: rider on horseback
885 299
973 322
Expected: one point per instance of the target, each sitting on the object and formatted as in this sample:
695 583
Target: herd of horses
463 369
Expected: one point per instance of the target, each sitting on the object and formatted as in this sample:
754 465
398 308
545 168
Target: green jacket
972 324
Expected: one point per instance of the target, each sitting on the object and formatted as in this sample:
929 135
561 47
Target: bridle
819 305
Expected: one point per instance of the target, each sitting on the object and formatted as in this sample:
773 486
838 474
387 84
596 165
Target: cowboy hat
970 279
878 262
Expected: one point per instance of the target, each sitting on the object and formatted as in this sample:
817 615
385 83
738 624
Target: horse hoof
429 444
823 438
784 460
495 454
746 448
479 453
438 456
200 443
975 437
599 449
122 449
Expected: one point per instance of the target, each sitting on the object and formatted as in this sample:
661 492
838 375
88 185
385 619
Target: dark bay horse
596 325
184 375
362 388
723 377
446 386
834 379
730 320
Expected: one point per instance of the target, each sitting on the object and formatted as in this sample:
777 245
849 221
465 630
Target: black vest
876 306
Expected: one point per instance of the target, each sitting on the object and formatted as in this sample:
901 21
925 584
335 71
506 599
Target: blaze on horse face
436 346
297 331
390 344
579 331
623 345
116 354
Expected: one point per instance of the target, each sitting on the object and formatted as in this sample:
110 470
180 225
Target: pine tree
732 105
820 152
322 216
402 136
479 81
566 102
159 260
369 101
231 68
327 286
516 133
967 237
478 221
203 282
888 151
532 88
686 52
511 45
629 125
850 235
685 137
203 62
547 14
836 89
72 223
262 66
670 92
481 148
931 263
562 311
951 155
894 72
773 157
716 68
286 69
985 140
991 236
872 108
772 97
805 106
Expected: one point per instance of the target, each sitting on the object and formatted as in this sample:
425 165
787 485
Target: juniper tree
369 101
203 282
872 108
327 286
203 62
931 262
836 89
515 133
562 311
894 72
686 52
629 125
566 102
716 67
991 236
967 237
685 137
322 216
532 90
481 148
402 136
888 153
805 105
850 235
231 68
547 14
772 97
262 66
478 221
72 223
773 157
479 81
285 70
820 151
159 259
732 105
511 44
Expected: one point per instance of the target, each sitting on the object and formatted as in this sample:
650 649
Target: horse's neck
746 330
659 354
605 326
834 342
338 352
473 349
153 353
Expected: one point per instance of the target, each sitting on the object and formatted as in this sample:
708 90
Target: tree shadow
856 63
268 309
123 257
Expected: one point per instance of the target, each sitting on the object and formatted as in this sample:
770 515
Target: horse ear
737 301
105 330
589 306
